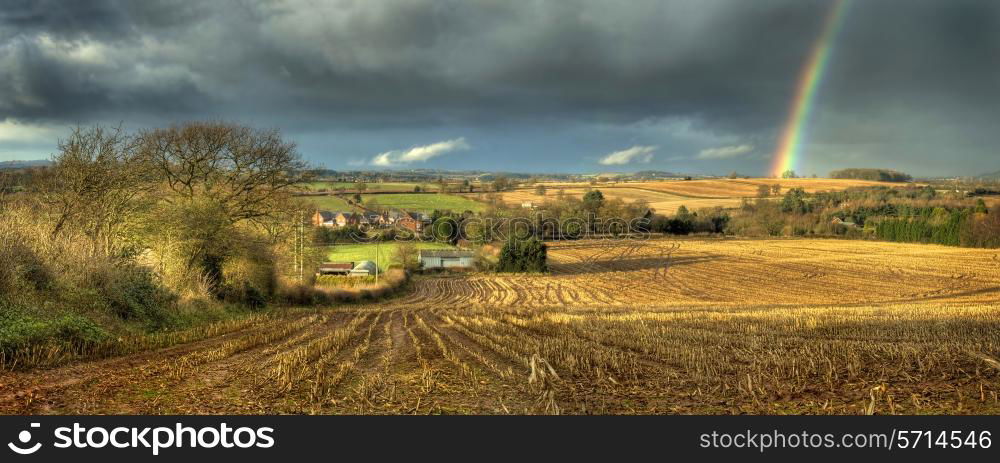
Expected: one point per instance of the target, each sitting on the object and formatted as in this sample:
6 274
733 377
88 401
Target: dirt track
696 326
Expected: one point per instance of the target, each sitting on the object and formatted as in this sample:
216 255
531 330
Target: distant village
414 221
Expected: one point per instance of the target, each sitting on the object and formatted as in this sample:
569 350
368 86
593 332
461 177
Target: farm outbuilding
335 268
364 268
446 258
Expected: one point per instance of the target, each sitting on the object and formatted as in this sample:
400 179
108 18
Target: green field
387 186
425 203
330 203
366 251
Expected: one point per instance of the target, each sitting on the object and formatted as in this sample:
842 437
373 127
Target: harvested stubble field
667 197
661 326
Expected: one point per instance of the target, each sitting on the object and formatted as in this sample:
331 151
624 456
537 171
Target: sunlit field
666 197
665 326
425 203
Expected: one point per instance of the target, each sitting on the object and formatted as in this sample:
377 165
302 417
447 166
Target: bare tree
249 173
98 183
406 255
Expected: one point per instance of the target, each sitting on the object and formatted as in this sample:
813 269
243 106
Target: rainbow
788 153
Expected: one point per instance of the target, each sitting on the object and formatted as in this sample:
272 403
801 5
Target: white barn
446 258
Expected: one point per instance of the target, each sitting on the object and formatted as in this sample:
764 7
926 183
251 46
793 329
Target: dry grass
671 326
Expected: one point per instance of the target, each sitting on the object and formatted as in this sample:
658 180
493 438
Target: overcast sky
695 86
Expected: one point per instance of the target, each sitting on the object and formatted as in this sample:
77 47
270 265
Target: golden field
666 197
663 326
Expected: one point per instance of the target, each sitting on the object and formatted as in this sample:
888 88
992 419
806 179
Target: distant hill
23 164
874 175
991 176
653 174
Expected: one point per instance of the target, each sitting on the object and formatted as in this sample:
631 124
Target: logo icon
25 437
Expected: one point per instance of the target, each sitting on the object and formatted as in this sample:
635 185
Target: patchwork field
737 188
331 203
664 203
372 186
663 326
667 197
425 203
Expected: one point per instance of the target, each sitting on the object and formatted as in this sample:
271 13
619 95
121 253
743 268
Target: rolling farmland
662 326
667 197
425 203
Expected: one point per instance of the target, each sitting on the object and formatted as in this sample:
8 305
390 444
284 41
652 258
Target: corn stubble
679 326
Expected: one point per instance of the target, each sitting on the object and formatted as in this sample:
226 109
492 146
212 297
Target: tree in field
776 189
540 190
794 202
362 187
501 183
406 255
467 186
523 256
981 207
789 174
683 213
763 191
593 200
357 198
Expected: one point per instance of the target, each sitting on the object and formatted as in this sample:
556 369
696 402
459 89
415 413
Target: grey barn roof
445 253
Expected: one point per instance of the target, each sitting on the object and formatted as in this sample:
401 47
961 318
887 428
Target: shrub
135 293
523 256
19 330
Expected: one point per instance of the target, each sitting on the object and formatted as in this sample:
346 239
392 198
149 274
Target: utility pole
376 260
302 244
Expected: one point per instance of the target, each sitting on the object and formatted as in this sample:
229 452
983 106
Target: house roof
445 253
326 215
365 265
336 265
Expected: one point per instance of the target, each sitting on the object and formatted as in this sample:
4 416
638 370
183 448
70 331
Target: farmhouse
371 218
445 258
335 268
411 220
324 219
346 218
393 216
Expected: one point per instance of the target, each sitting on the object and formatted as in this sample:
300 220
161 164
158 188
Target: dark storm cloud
417 61
728 67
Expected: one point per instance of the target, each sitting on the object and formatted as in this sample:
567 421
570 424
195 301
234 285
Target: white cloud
635 153
419 153
11 130
724 152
